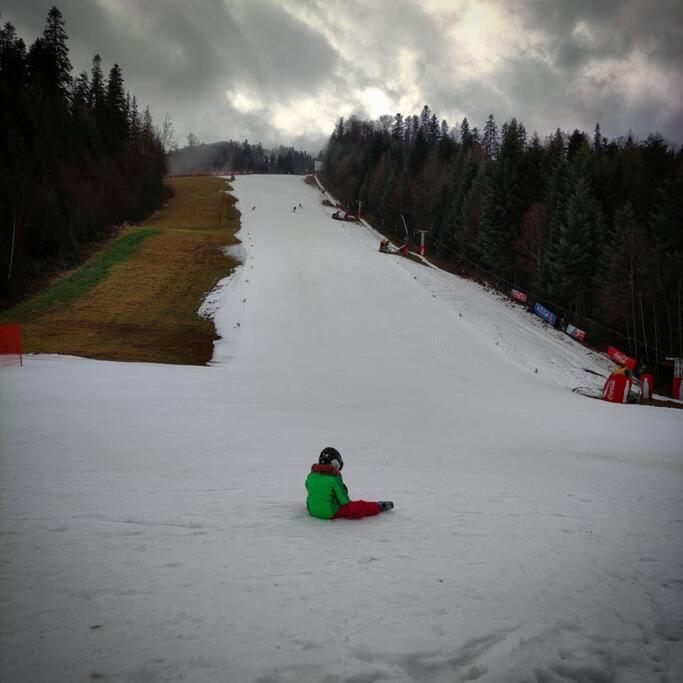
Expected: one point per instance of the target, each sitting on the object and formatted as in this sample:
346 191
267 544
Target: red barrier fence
10 345
621 358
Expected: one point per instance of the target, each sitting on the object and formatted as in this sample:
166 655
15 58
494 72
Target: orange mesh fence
10 345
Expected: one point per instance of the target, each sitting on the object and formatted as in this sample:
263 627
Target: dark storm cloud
619 26
282 71
181 57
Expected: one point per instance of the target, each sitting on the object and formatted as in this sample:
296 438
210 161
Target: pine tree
490 143
465 171
665 260
555 207
97 96
465 135
576 140
597 140
617 272
425 116
433 130
397 129
505 201
117 112
444 129
58 66
572 282
418 154
467 234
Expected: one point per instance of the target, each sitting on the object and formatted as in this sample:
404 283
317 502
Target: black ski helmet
331 456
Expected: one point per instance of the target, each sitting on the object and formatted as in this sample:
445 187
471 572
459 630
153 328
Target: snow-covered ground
153 517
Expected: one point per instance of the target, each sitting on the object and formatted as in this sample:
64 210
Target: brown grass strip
146 309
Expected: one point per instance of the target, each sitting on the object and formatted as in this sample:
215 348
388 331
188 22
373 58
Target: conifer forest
77 156
590 227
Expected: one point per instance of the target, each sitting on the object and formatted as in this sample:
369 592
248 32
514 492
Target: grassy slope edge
137 298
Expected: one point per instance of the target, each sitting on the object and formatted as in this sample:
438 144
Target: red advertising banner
575 332
520 296
10 345
621 358
616 388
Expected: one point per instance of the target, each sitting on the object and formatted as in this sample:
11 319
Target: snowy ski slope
153 517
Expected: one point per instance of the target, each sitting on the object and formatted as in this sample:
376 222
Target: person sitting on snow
328 497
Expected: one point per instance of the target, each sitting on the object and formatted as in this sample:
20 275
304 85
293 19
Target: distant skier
328 497
253 207
294 209
301 207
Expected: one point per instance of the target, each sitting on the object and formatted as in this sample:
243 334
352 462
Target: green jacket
326 491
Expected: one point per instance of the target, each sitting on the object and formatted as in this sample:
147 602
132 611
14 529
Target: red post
678 388
10 343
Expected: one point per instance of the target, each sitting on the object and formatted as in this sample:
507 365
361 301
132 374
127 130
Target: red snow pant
356 509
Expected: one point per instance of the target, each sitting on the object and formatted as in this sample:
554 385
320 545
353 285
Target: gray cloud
282 71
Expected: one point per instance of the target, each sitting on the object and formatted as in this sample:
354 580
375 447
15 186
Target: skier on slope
328 497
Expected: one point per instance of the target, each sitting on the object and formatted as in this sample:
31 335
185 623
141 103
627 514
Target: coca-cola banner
575 332
621 358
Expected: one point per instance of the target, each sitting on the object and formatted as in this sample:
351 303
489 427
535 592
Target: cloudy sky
282 71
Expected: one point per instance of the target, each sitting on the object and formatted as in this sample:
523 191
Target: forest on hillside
77 157
231 156
591 227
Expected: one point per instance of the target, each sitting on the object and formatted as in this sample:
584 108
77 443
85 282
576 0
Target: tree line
230 156
77 157
592 227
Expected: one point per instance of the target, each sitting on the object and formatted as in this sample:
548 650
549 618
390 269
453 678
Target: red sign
520 296
616 388
10 344
621 358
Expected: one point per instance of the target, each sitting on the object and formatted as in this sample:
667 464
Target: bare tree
192 140
167 134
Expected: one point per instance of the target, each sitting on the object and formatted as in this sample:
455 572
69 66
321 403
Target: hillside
153 516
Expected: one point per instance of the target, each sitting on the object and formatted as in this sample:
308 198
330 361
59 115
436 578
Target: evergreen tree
444 129
465 135
58 66
397 130
467 234
433 130
117 112
97 97
576 140
489 141
665 260
571 278
505 201
597 140
425 116
418 154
